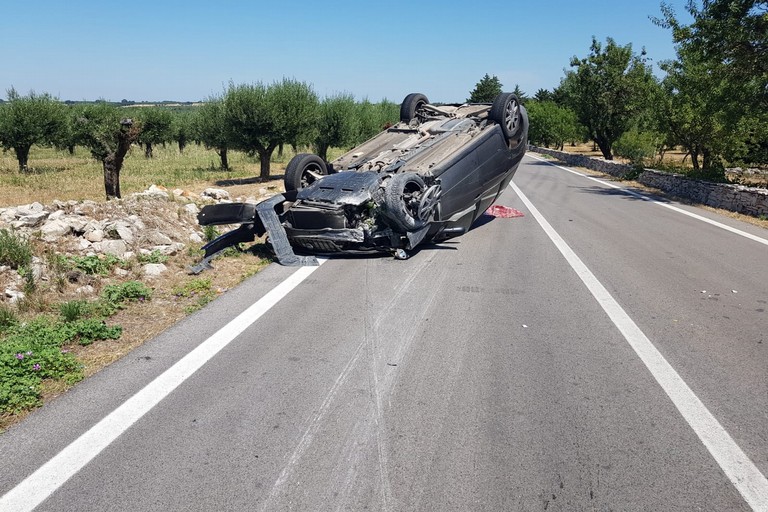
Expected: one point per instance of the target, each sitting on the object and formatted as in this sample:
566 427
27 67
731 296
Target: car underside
425 179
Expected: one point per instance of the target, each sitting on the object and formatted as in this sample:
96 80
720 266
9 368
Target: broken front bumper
255 220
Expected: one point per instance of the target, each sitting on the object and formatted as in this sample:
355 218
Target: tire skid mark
314 426
373 423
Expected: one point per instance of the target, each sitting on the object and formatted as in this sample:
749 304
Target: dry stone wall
736 198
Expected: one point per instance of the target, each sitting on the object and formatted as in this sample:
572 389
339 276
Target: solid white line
50 476
651 200
739 469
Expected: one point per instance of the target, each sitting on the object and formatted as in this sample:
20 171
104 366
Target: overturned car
425 179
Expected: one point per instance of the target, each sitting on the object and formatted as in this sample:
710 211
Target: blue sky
189 50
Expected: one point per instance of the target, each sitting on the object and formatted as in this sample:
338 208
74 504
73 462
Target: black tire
401 201
303 170
411 105
506 111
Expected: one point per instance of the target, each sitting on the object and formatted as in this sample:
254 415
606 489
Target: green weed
15 250
74 310
200 289
114 296
153 257
94 265
33 351
8 317
210 233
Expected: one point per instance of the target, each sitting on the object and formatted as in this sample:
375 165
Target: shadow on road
625 194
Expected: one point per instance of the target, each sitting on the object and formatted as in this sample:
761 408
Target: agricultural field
55 174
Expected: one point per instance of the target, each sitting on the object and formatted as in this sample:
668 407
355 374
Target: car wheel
402 200
506 111
303 170
411 105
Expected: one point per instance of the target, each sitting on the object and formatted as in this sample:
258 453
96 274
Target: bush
15 250
637 146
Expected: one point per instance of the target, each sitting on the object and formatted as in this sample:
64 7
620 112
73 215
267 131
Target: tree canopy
27 120
262 117
608 89
211 128
716 90
485 90
156 127
104 130
336 123
374 117
551 124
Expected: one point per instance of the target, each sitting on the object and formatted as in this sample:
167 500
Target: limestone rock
154 269
215 193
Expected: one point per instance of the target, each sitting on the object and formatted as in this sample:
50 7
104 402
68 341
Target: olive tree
156 128
261 117
210 127
371 118
181 128
108 135
335 123
27 120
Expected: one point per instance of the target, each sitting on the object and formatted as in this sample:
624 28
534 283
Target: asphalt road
490 373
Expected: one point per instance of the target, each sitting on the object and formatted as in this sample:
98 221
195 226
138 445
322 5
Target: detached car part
425 179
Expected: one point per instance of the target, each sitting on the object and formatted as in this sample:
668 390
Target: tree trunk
71 149
113 162
322 150
22 155
605 148
280 150
111 177
182 144
148 150
223 156
265 155
695 159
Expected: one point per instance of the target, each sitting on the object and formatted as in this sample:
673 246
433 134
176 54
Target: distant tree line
712 101
253 118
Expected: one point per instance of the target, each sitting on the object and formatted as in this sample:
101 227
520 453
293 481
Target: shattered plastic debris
503 212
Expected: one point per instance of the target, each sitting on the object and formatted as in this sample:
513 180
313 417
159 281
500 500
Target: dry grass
56 174
676 157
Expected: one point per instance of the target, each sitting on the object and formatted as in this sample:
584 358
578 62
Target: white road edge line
651 200
738 468
53 474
